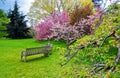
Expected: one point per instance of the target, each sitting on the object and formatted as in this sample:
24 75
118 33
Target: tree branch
82 47
112 34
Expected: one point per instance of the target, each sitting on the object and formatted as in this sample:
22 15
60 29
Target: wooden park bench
46 50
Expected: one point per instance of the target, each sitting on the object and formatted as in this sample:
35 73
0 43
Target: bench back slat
38 50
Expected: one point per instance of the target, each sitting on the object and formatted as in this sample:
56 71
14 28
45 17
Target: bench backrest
38 50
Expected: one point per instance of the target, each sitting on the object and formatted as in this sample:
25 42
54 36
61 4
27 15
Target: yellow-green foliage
85 2
118 32
110 22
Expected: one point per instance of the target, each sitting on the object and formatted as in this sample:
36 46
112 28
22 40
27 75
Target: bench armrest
22 52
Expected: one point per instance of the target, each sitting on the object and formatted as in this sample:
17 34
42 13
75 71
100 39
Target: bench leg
24 58
21 58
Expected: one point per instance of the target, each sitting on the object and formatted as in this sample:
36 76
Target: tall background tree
42 8
17 28
3 21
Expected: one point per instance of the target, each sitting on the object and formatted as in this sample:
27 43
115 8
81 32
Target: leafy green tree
17 27
3 21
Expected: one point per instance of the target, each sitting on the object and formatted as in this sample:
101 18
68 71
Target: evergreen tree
17 27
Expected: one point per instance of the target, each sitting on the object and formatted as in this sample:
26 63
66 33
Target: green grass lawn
37 66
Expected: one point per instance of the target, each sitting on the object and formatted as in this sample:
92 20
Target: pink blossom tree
43 29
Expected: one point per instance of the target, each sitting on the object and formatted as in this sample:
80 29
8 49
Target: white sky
25 5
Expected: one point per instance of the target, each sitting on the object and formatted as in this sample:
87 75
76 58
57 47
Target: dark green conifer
17 27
